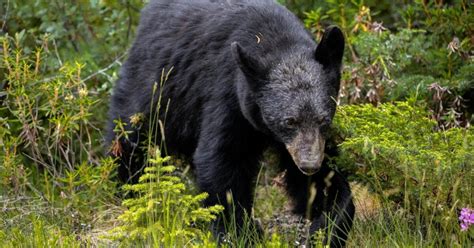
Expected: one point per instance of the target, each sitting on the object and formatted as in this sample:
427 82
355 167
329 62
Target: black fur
246 75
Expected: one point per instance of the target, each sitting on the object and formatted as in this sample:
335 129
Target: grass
31 222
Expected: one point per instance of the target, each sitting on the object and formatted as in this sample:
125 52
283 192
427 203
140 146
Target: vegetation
424 173
404 128
163 214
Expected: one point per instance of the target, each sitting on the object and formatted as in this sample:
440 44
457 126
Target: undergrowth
162 213
422 176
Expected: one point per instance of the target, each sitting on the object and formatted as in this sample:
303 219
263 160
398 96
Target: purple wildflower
466 218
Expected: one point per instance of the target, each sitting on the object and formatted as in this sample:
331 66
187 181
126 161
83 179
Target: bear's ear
249 65
331 48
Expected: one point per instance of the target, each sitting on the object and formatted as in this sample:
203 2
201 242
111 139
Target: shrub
396 149
163 213
51 168
47 126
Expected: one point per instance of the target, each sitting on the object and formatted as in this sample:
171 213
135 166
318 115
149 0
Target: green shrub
396 149
47 126
51 168
163 213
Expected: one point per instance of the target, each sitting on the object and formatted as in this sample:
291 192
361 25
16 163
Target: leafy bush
163 213
51 166
47 128
395 149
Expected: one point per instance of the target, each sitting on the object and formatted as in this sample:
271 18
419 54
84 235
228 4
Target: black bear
246 76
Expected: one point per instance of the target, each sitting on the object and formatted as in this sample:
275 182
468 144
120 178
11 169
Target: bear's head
293 99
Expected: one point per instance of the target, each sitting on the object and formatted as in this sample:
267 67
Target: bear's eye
290 122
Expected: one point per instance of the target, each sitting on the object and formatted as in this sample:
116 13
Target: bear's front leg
226 165
325 198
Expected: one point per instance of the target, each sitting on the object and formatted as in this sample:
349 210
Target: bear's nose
309 167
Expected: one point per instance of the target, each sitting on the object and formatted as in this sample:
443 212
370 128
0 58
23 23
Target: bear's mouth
309 167
307 151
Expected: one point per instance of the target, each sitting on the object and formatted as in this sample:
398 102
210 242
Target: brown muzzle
307 151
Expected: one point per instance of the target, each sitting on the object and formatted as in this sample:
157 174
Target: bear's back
193 38
217 23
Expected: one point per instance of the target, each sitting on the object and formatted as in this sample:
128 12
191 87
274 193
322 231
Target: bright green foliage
40 236
163 213
396 149
274 242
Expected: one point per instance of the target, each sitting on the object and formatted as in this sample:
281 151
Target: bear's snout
307 151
